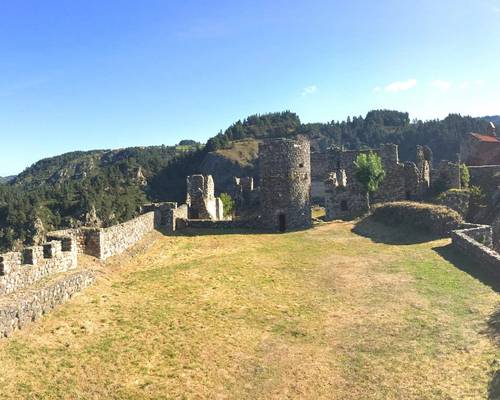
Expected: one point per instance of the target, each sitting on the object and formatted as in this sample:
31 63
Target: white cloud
471 84
443 86
377 89
309 90
400 86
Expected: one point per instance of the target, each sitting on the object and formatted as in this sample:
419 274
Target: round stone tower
285 184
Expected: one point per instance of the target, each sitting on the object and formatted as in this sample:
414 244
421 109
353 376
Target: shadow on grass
494 387
381 233
471 266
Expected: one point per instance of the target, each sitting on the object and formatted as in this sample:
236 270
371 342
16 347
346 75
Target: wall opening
343 205
194 214
282 222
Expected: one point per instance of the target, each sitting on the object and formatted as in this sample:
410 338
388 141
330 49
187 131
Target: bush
228 204
436 219
464 176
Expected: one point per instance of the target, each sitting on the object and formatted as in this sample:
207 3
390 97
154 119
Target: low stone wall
475 242
21 269
18 310
221 225
103 243
457 200
116 239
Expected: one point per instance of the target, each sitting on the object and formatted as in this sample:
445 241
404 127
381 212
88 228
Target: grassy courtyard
325 313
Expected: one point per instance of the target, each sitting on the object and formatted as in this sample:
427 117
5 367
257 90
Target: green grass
324 313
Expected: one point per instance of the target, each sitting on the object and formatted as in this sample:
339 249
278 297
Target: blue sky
78 75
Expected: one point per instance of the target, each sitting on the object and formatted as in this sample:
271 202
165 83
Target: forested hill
104 187
6 179
377 127
494 118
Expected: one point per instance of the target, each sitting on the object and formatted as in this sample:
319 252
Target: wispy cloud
441 85
471 84
496 9
376 89
400 86
308 90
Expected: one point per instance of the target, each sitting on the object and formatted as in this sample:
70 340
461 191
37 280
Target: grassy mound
436 219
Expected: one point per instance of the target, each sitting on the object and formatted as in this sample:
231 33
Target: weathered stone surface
456 200
201 200
116 239
106 242
345 198
476 242
285 184
23 307
21 270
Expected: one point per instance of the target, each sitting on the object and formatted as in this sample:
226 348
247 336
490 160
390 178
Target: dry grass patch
323 313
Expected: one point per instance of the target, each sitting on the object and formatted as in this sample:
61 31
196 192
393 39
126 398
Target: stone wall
87 240
446 176
22 269
21 308
174 216
457 200
220 225
487 177
106 242
476 149
475 242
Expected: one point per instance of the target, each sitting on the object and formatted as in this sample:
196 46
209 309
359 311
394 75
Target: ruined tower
285 176
201 199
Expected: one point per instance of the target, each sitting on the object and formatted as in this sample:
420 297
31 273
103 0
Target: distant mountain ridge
7 179
493 118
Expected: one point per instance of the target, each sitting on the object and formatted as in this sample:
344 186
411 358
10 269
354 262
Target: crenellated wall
22 269
103 243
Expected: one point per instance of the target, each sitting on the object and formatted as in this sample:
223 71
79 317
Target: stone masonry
201 199
345 197
285 177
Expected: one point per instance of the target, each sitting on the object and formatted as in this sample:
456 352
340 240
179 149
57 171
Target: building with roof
481 149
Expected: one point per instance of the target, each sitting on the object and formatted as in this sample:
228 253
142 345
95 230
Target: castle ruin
285 184
345 198
201 200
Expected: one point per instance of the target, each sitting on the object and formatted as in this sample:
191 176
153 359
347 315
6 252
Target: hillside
6 179
493 118
105 187
320 314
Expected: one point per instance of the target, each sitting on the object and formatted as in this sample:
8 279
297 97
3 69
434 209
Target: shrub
228 204
436 219
464 176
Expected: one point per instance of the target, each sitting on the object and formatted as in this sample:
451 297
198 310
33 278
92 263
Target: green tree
369 172
228 204
464 176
